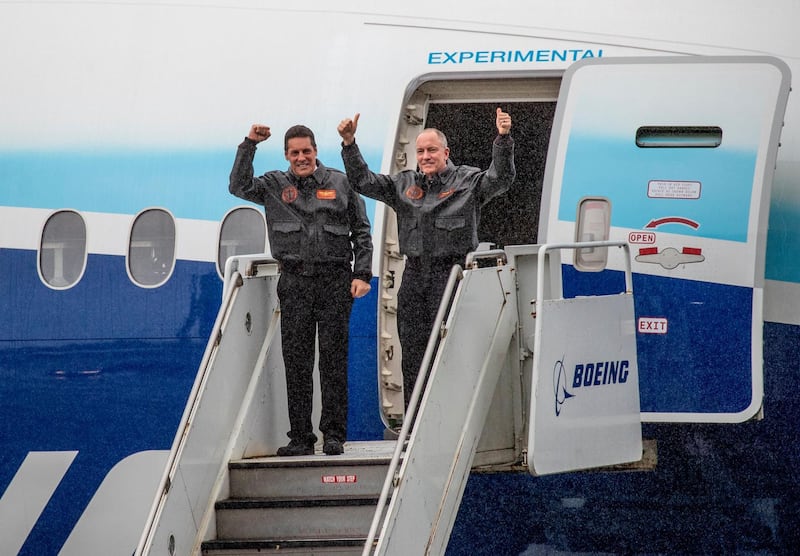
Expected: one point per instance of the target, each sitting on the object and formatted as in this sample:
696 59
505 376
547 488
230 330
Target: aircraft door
683 149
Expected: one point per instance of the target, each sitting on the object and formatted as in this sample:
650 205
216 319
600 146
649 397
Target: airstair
221 495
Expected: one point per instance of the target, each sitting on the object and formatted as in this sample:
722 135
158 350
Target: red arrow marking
672 220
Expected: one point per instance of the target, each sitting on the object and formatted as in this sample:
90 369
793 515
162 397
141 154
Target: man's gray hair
442 137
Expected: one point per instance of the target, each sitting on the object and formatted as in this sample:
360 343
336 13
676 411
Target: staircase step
307 476
317 547
315 504
325 517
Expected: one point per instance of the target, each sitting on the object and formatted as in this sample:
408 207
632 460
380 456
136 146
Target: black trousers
418 302
312 305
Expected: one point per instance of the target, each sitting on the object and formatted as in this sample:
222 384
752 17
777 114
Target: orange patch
289 194
447 193
415 193
326 194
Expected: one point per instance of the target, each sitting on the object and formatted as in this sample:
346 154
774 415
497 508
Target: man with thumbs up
320 235
438 210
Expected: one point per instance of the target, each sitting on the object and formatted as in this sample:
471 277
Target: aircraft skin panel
192 183
783 239
106 531
30 491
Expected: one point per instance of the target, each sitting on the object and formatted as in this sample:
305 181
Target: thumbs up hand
347 129
503 122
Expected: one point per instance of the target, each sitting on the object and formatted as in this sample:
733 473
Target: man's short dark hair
298 131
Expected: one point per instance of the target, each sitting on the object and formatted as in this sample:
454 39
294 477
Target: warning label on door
661 189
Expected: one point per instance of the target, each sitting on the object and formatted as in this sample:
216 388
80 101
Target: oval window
151 249
62 252
243 232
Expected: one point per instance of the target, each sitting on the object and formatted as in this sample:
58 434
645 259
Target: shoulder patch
415 193
289 194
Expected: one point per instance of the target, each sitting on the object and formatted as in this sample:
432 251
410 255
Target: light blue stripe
191 184
621 171
783 242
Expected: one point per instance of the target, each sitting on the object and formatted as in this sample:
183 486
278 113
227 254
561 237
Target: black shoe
296 448
332 447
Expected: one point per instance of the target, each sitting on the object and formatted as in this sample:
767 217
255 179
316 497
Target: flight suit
437 221
317 228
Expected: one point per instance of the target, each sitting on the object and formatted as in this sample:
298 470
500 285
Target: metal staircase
220 496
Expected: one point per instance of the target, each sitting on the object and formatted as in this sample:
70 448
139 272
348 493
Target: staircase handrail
408 421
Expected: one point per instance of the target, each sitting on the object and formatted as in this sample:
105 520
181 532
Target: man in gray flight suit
438 210
320 235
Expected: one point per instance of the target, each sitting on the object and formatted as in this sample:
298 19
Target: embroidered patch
289 194
447 193
415 193
326 194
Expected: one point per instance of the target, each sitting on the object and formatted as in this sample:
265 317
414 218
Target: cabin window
243 232
62 252
151 250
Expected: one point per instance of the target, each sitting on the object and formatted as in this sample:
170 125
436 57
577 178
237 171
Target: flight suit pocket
337 241
286 239
450 223
410 235
452 235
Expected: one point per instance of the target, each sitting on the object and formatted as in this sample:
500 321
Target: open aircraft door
683 151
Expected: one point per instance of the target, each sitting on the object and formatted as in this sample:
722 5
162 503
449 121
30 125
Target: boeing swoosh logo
560 385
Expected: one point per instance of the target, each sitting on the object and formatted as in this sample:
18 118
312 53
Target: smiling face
432 153
302 156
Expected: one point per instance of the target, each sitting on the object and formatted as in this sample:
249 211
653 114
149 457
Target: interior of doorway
511 218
